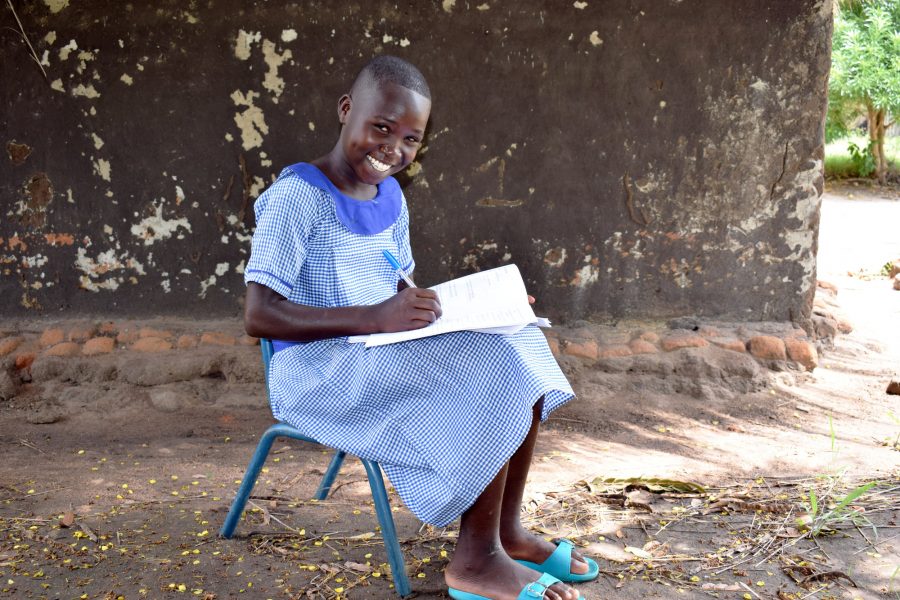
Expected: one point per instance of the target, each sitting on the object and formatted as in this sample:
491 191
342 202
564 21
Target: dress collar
365 217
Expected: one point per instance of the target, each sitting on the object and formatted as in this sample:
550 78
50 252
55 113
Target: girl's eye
382 128
413 141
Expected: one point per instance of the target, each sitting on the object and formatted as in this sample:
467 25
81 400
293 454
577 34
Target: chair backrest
265 346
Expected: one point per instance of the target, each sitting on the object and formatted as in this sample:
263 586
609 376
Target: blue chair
376 482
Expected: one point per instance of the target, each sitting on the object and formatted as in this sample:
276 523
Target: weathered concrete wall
635 158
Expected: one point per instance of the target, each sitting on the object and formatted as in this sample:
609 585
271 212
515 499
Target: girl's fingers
429 305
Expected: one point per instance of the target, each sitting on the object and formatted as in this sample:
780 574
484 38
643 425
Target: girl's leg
480 565
517 541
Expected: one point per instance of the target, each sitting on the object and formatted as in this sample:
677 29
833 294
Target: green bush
863 159
851 157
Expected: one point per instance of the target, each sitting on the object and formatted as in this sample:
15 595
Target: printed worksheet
493 301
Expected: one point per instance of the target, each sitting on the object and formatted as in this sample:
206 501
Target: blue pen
396 264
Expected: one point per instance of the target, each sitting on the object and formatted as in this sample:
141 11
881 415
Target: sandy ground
118 498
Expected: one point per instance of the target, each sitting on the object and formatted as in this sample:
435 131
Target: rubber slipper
533 591
559 564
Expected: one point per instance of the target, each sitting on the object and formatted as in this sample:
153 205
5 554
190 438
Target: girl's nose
388 149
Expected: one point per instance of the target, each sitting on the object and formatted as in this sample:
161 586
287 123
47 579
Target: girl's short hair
392 69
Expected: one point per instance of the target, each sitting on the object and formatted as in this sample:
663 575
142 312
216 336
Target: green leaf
853 495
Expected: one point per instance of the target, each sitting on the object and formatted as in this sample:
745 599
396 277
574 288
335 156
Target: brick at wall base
614 351
583 349
66 349
24 360
51 337
677 341
728 343
151 344
639 346
802 352
214 338
767 347
7 345
98 345
187 341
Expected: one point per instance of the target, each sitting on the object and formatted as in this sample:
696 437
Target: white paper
493 301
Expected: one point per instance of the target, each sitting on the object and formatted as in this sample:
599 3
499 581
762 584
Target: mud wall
635 158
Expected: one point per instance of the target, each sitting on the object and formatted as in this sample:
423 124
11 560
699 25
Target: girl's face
383 127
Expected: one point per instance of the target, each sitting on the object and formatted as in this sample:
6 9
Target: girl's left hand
530 299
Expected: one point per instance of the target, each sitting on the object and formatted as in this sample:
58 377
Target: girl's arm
268 314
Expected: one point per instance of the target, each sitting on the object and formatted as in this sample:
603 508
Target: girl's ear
344 105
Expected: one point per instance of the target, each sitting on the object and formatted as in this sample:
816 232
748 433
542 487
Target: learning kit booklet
492 301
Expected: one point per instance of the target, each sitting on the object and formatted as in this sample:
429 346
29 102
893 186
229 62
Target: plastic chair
376 482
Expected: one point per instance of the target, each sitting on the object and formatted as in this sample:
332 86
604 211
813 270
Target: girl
452 418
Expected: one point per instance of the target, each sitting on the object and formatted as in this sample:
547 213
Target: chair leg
388 531
253 469
332 471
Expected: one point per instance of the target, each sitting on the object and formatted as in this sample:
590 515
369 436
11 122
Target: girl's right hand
412 308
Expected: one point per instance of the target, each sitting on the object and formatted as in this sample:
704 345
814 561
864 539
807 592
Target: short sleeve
285 217
401 237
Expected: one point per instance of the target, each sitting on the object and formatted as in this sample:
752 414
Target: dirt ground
107 491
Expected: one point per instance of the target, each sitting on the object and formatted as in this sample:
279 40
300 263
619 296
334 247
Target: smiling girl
452 418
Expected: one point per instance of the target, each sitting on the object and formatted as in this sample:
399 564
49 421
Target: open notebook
493 301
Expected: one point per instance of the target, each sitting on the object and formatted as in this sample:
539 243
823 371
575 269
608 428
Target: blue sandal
559 564
533 591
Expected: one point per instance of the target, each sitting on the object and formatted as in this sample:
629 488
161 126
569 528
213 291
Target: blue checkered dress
441 414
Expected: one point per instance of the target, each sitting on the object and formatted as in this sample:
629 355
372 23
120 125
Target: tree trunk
876 138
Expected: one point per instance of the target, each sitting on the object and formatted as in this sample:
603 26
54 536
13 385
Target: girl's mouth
378 165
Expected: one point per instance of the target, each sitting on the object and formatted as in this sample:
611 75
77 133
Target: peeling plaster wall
635 158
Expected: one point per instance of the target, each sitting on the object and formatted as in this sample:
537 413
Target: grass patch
840 165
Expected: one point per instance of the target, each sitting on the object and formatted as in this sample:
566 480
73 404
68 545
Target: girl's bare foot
521 544
496 576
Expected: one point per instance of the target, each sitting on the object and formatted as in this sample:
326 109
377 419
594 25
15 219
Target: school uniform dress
441 414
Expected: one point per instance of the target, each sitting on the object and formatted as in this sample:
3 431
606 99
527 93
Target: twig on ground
876 544
29 444
749 589
814 592
274 518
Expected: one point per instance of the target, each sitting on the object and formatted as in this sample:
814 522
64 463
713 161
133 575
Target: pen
396 264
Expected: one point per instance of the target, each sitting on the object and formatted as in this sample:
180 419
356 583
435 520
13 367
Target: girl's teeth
379 166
